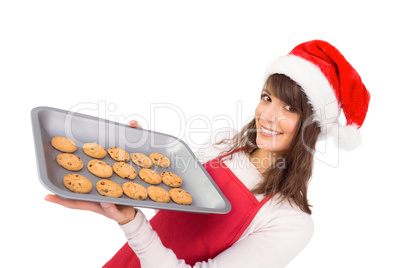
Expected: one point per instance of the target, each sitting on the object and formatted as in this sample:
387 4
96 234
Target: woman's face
276 123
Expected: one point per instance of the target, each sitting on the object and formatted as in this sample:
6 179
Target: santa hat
332 85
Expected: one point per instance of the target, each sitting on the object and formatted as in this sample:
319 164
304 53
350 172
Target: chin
269 144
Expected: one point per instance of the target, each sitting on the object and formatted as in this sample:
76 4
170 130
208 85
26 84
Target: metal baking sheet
48 122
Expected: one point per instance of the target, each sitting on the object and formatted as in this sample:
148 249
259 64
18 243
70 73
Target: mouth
270 132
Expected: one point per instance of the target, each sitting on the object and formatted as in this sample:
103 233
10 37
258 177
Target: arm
273 245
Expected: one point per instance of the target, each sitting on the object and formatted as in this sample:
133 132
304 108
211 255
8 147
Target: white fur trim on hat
345 137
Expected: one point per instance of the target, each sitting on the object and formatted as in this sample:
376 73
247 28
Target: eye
290 108
265 97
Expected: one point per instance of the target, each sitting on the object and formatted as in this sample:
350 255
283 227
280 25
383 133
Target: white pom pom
345 137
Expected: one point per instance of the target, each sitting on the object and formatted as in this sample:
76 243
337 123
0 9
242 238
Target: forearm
147 245
273 246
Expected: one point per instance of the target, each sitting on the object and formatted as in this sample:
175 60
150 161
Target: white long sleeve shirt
276 235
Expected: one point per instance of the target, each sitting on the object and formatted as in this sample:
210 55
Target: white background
207 58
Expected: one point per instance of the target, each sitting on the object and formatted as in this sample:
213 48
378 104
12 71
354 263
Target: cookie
158 194
77 183
124 170
150 176
94 150
109 188
118 154
180 196
142 160
70 161
171 179
135 190
100 168
160 160
63 144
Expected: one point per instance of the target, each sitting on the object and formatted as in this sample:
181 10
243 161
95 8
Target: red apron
198 237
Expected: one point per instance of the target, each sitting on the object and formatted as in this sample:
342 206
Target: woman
263 171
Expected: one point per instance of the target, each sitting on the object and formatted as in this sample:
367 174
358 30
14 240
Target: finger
110 210
134 123
118 213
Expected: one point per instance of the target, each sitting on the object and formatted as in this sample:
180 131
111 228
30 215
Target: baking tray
48 122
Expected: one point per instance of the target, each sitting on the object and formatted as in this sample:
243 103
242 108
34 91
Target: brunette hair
290 180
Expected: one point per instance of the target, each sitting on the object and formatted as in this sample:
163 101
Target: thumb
121 214
111 211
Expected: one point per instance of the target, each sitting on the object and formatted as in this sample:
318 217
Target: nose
271 113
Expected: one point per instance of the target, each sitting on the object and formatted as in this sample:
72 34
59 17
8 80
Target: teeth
269 132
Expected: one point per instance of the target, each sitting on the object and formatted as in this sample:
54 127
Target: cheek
258 111
291 125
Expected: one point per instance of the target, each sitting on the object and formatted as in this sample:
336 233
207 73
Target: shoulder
288 215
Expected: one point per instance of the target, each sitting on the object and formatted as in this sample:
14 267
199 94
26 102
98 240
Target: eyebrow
267 91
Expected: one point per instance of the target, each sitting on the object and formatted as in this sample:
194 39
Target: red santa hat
332 85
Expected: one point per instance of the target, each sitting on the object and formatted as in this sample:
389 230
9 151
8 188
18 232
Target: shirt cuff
133 226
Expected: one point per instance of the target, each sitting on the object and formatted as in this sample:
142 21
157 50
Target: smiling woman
270 221
276 138
278 113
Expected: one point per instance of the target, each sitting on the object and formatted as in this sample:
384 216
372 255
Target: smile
269 132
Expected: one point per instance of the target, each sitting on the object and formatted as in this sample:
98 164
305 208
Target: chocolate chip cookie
109 188
77 183
158 194
171 179
70 161
150 176
118 154
160 160
135 190
124 170
94 150
142 160
181 197
63 144
100 168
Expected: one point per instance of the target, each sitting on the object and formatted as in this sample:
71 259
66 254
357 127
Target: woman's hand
121 214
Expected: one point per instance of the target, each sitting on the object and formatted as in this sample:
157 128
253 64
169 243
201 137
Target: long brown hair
291 179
